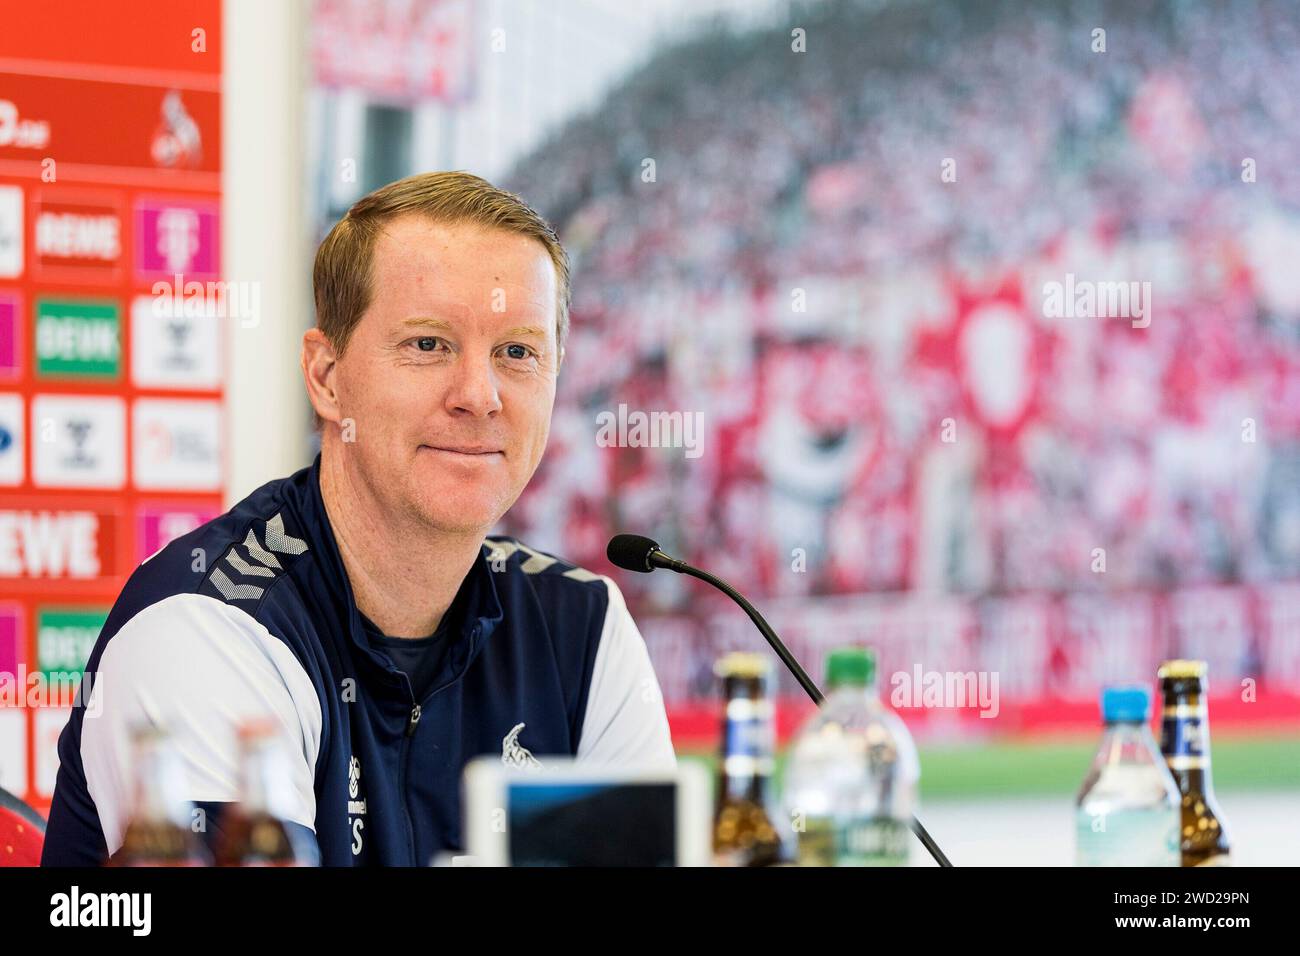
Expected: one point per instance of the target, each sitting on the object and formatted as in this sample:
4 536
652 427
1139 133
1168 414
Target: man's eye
426 344
517 351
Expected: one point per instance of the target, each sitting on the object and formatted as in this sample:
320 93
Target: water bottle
850 783
1128 807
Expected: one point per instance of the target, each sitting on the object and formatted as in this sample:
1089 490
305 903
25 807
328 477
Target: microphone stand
806 682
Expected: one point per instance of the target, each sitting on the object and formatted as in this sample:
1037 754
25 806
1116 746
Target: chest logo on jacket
513 754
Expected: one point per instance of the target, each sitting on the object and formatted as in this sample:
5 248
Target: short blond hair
341 276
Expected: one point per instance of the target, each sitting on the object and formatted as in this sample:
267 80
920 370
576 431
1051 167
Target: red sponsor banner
76 122
91 36
110 146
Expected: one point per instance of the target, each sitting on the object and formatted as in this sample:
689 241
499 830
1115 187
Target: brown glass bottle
162 828
254 831
743 834
1185 743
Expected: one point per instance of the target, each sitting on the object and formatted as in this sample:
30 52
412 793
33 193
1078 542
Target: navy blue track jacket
252 616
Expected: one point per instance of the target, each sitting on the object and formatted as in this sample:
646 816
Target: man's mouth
468 451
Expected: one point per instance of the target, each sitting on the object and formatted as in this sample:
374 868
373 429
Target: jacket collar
481 601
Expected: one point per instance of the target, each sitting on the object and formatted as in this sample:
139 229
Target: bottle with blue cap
1128 807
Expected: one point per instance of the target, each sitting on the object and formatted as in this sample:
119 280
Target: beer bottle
743 834
160 832
1185 743
253 831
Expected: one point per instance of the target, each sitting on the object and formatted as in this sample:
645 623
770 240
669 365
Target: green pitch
1051 767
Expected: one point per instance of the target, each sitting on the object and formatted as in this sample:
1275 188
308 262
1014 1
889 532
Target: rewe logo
103 909
36 544
70 235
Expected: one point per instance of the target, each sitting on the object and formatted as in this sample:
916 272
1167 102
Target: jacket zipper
412 722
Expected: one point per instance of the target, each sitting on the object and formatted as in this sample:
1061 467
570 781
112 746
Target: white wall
264 237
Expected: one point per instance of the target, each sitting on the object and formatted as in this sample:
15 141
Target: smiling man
360 604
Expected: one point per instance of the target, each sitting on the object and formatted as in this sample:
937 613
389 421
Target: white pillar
264 237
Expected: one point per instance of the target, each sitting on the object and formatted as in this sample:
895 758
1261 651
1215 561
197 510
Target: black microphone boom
634 552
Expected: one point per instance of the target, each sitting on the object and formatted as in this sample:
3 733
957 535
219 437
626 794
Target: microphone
634 552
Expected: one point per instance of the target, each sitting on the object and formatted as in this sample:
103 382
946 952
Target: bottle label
816 842
1132 837
870 841
1182 737
748 743
875 841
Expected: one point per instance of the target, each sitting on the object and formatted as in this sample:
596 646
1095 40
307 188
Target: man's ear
319 363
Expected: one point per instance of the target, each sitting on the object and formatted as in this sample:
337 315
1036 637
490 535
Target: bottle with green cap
1126 813
850 783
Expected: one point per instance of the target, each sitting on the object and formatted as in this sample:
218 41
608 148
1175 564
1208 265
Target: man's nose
473 387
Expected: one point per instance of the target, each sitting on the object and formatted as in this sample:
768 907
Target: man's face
450 374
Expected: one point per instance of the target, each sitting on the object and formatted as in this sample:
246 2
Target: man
359 603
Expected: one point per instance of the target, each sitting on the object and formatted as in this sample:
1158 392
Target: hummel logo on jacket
543 659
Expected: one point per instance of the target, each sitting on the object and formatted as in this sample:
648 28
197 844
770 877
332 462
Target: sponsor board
158 525
111 187
78 338
173 351
77 239
11 335
47 724
65 637
78 441
176 236
13 447
12 639
153 126
11 232
60 542
13 750
176 444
